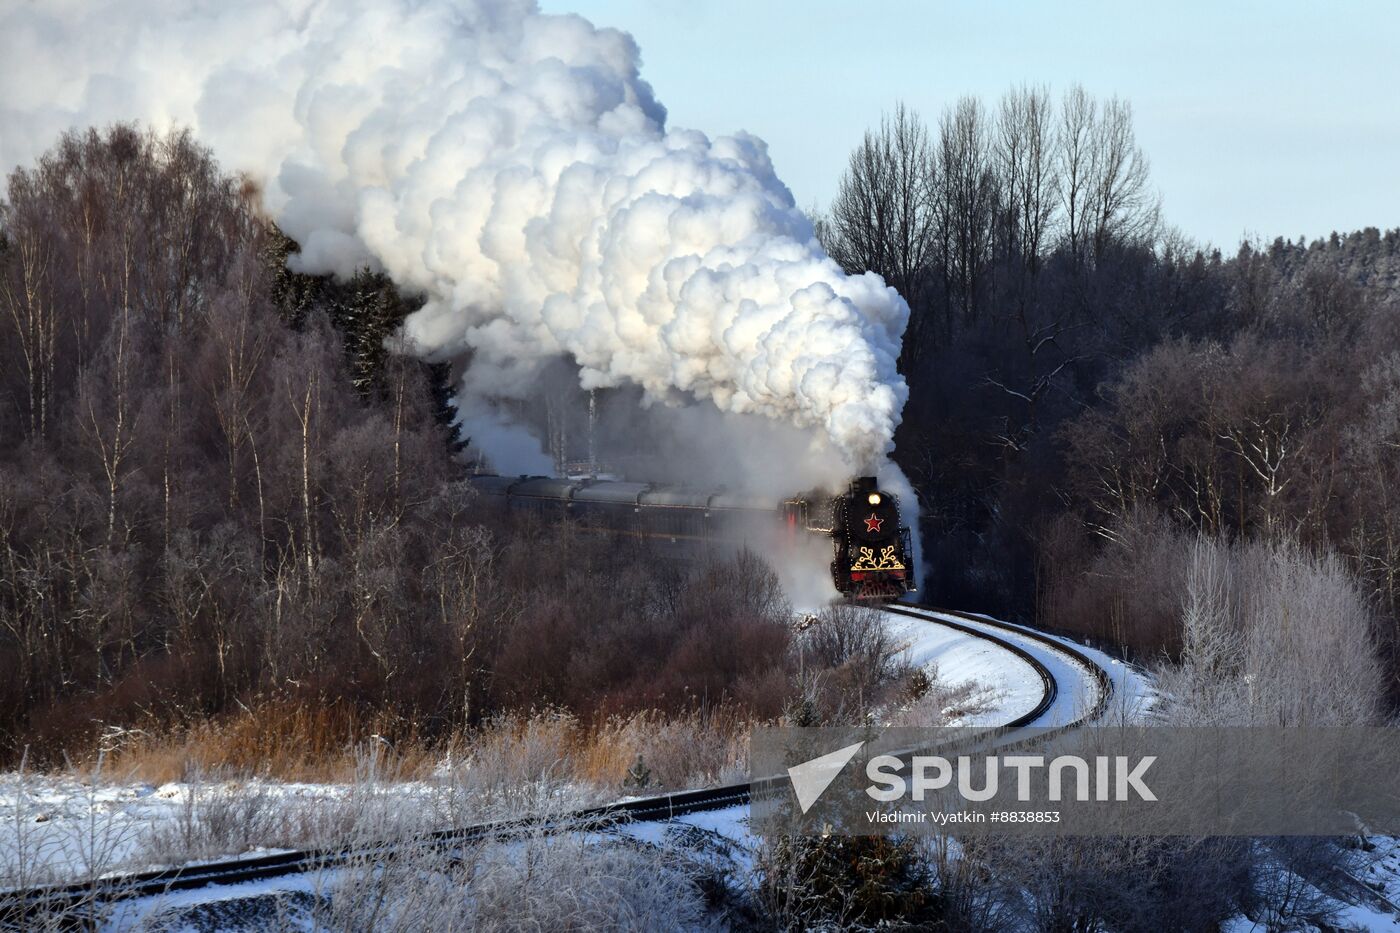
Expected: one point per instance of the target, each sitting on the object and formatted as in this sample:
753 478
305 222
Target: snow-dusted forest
246 597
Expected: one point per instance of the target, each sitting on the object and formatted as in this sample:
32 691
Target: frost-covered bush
1273 634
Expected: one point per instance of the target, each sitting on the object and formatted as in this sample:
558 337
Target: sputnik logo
872 524
811 778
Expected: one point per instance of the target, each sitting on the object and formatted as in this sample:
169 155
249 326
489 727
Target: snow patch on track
1011 685
1134 693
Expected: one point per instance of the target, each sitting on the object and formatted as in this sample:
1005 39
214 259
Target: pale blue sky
1271 119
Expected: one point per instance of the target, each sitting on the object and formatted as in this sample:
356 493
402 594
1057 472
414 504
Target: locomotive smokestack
866 488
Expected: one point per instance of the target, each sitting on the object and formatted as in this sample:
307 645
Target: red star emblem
872 524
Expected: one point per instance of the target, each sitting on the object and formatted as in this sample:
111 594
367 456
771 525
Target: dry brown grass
690 750
291 741
682 751
304 742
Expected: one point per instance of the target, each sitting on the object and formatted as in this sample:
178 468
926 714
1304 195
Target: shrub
843 882
1273 634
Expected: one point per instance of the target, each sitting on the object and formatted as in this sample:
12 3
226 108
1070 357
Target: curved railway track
976 626
19 906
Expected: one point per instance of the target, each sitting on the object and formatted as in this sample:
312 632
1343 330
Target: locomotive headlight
873 498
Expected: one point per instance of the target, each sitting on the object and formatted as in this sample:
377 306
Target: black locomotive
872 558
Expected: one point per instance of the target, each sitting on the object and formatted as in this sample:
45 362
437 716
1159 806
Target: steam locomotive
873 558
871 555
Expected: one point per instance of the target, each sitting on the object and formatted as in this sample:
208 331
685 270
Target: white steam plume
514 167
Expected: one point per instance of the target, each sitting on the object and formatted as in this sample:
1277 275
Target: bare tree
1078 120
882 219
1025 154
26 296
1212 646
1122 207
966 200
237 345
1104 176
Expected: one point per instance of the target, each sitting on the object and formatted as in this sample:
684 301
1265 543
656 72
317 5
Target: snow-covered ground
1382 874
62 828
252 905
65 827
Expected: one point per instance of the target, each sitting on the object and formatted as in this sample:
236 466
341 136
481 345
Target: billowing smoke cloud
512 166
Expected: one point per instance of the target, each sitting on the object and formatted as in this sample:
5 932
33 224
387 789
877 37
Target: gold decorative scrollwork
886 561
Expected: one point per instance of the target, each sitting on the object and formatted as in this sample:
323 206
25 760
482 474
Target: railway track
19 906
976 626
